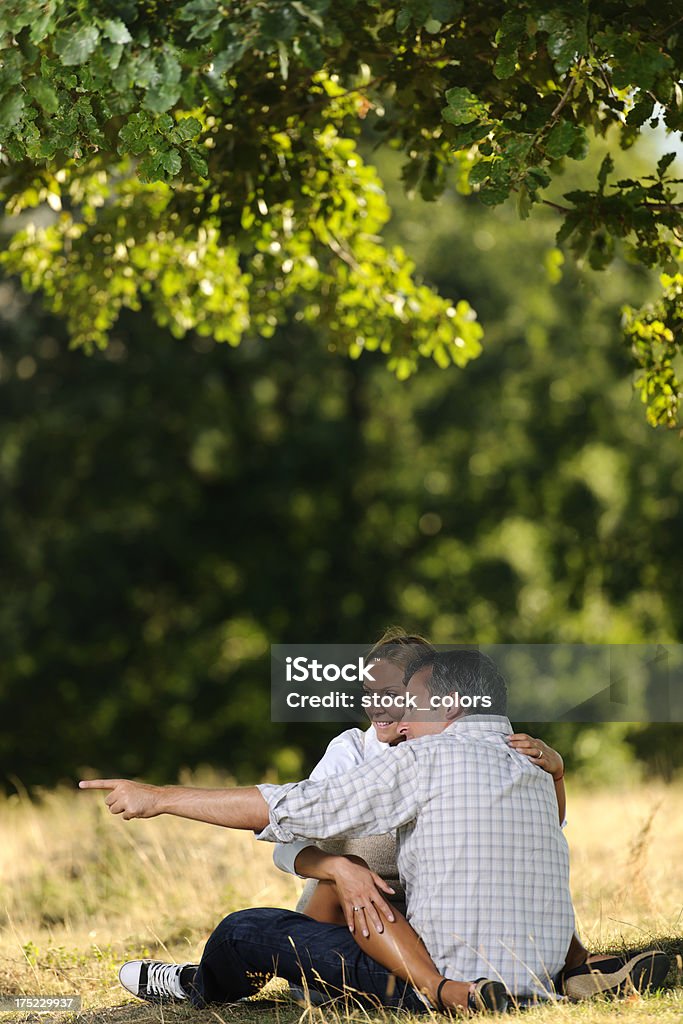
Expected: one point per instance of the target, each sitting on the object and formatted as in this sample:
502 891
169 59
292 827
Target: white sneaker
153 980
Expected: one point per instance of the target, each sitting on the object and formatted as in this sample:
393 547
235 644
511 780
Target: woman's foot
475 996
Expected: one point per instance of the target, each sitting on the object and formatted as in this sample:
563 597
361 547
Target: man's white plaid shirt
480 849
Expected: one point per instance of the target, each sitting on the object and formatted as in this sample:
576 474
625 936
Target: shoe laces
164 980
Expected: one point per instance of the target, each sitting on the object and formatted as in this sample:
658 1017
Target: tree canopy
203 156
170 510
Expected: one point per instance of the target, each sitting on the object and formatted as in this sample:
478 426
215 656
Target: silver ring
359 908
539 754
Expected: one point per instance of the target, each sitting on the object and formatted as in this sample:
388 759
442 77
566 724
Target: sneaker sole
491 998
640 973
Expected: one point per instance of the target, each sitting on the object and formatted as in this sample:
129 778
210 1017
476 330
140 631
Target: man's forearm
233 808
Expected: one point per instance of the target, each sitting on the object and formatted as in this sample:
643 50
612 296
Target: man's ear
453 712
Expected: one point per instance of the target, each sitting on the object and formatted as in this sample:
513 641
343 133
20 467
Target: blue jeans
250 946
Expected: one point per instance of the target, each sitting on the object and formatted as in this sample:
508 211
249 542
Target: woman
324 863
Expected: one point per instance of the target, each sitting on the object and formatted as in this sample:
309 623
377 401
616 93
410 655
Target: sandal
484 996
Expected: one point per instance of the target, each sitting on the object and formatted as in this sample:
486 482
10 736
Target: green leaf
278 24
505 65
664 162
579 147
480 172
170 68
641 111
112 53
205 16
170 161
11 109
606 168
161 97
43 24
465 135
145 70
136 134
569 225
160 166
463 106
197 163
567 36
517 147
403 19
508 37
561 139
523 203
229 56
75 47
535 178
493 195
185 129
116 31
43 93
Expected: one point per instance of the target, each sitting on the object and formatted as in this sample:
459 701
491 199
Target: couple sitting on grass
439 873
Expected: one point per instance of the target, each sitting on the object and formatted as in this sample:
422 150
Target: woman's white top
344 752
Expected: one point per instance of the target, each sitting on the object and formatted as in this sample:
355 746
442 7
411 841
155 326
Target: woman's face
384 714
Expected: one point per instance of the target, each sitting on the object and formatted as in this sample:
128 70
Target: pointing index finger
99 783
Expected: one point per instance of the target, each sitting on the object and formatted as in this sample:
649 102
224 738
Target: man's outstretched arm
232 808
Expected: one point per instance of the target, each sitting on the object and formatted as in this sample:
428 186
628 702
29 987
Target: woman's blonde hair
399 647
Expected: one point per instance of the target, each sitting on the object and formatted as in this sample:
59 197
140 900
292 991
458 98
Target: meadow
81 891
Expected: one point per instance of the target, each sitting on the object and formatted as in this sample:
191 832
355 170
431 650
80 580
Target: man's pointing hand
231 808
131 799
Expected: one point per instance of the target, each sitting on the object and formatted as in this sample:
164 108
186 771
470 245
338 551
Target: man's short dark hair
467 672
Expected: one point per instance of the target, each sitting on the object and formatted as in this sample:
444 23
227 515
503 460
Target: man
479 848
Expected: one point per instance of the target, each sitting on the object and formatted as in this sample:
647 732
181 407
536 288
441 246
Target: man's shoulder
461 745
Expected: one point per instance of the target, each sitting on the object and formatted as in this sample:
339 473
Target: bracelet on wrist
558 778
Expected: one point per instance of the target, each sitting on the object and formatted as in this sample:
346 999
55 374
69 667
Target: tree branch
557 206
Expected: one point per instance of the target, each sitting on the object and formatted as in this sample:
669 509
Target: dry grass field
81 891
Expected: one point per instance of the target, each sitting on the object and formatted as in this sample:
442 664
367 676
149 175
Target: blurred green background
171 508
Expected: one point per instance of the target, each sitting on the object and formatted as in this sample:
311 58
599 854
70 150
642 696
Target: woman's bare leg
401 950
398 948
324 904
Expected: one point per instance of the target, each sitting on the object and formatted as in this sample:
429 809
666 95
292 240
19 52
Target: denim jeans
250 946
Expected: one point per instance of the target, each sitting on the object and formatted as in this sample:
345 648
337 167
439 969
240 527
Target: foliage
197 151
654 332
170 509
